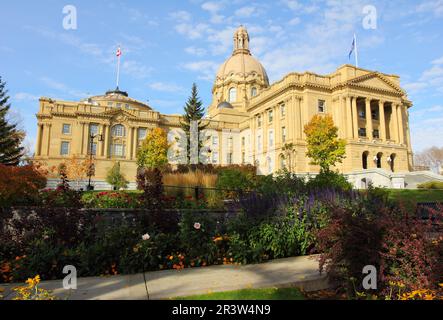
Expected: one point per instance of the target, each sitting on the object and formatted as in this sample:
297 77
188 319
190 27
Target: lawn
250 294
419 195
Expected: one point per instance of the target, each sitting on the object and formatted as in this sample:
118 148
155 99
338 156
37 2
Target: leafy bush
329 180
431 185
20 185
234 181
399 246
111 200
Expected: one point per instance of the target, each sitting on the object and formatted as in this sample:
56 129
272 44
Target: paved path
300 272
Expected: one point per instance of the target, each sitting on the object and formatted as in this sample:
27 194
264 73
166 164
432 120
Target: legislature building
249 121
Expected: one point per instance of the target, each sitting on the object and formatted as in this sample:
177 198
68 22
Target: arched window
232 95
282 162
364 159
391 160
118 130
378 159
253 91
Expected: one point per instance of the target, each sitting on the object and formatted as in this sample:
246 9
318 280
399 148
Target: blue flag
352 48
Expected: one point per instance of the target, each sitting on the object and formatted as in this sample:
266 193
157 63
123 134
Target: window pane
93 129
232 95
64 148
66 129
283 110
118 131
142 133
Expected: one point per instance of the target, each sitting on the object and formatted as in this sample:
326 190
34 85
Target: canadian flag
119 52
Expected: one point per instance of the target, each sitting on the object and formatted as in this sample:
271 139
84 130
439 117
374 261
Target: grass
419 195
190 179
250 294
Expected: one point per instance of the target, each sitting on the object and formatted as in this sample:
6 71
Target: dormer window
232 95
253 91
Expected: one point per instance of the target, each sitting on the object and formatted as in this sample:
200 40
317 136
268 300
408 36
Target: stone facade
250 121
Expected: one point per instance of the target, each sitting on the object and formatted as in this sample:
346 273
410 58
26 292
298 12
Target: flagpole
118 68
356 51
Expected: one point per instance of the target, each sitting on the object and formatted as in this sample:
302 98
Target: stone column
355 117
135 142
39 140
394 123
368 119
101 150
48 140
107 140
129 144
382 120
400 124
348 108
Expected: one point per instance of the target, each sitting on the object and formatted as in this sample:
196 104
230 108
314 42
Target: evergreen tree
10 137
194 111
115 178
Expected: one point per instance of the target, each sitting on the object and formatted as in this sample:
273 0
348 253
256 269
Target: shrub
431 185
235 180
399 246
20 185
329 180
115 178
111 200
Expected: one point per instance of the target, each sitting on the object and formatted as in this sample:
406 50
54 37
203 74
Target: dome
225 104
242 63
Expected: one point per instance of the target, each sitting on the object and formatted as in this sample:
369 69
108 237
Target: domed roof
225 104
241 62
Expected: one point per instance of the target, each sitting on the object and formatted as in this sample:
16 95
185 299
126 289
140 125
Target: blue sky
168 45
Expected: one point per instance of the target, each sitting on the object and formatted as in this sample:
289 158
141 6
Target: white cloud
166 87
182 16
192 31
430 79
207 69
432 6
295 21
212 7
63 88
246 12
24 96
195 51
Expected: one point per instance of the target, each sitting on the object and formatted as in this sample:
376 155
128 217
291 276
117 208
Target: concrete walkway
301 272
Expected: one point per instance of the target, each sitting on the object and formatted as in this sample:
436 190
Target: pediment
376 81
119 115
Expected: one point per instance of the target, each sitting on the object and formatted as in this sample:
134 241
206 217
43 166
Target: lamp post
91 146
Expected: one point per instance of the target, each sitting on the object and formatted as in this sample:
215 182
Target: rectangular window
362 114
142 133
64 150
93 129
271 116
271 138
119 105
229 159
321 106
93 149
374 115
259 121
283 110
283 134
376 134
230 143
109 104
214 140
243 142
215 157
66 129
259 143
362 132
118 150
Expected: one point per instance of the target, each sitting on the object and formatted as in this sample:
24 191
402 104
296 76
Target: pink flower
146 237
197 226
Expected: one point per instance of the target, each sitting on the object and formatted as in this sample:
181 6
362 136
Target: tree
10 137
77 169
324 147
194 111
289 150
153 152
431 158
115 178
